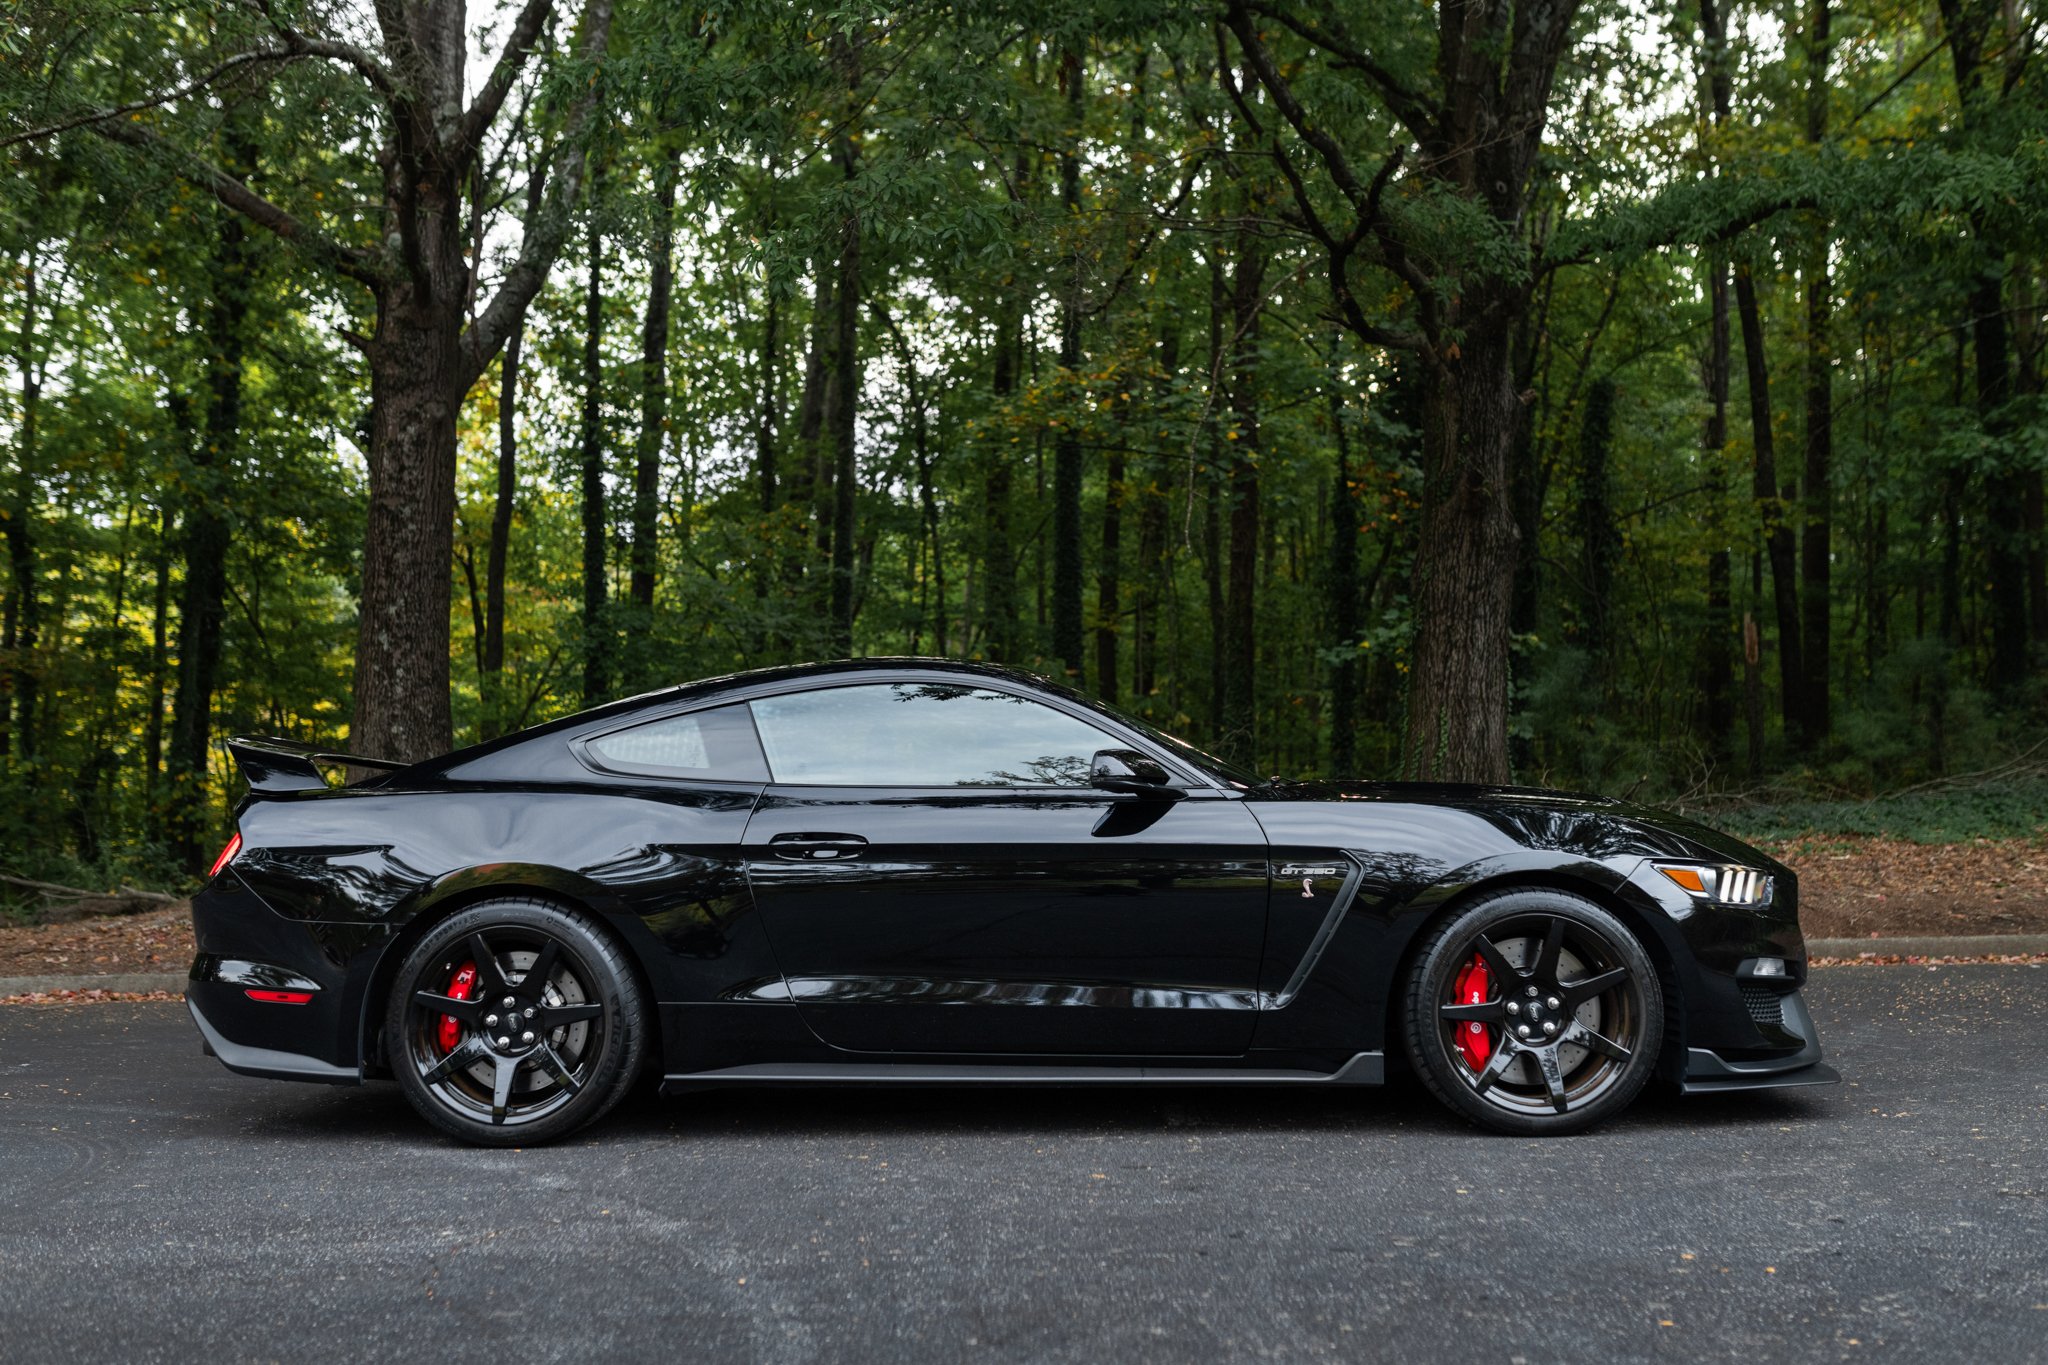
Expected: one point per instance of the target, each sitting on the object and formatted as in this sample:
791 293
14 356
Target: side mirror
1128 771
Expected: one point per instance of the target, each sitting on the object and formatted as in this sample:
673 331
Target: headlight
1722 884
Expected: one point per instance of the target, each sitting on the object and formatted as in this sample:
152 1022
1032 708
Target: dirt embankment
1855 886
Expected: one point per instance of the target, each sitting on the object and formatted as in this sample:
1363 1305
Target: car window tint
924 735
716 745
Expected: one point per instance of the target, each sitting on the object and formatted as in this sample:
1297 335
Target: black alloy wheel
515 1022
1534 1012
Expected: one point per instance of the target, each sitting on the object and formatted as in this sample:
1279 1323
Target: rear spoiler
283 765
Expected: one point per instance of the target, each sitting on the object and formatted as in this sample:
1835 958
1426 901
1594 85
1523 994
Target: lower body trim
1364 1069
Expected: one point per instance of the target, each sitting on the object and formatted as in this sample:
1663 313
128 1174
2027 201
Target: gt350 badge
1308 872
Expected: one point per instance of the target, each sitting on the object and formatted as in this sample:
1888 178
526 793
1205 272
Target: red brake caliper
1475 985
461 988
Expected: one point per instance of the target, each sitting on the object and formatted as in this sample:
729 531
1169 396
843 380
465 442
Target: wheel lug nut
1521 1030
1554 1002
504 1042
526 1037
529 1011
1514 1008
510 1003
1532 992
490 1021
1549 1026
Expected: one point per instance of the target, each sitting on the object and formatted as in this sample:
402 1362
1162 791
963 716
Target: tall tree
1475 119
1066 456
1716 674
1971 25
653 395
1238 636
591 462
208 496
413 253
845 380
1816 553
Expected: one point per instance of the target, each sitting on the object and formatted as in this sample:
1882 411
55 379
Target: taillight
227 855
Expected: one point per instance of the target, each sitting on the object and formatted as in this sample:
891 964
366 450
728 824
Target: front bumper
1708 1072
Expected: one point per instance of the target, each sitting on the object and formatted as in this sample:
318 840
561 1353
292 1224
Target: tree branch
92 116
476 121
1407 106
547 230
364 62
353 262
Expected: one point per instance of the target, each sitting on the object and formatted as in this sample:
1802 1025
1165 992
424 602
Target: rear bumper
270 1063
1708 1072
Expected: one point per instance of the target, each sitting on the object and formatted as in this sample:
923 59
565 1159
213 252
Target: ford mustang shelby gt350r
908 871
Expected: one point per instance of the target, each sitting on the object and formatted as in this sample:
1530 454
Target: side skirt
1364 1069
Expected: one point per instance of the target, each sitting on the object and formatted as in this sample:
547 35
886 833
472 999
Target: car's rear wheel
1534 1012
514 1023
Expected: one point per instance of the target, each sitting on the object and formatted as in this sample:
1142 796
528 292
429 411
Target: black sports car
908 871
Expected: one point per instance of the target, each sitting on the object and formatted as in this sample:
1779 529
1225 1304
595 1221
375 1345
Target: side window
716 745
924 735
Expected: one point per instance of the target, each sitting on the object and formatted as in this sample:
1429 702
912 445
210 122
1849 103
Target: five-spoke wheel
514 1021
1534 1011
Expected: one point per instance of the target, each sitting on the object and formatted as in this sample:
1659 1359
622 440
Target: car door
937 877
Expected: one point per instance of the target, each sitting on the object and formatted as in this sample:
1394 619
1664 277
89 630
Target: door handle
817 848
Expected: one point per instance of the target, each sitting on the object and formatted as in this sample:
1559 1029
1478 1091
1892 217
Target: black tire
560 1056
1572 1019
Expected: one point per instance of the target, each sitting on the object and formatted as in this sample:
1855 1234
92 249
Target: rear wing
275 765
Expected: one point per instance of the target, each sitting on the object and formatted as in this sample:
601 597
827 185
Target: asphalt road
153 1207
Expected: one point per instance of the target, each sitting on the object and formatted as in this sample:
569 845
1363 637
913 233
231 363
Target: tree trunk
1212 493
1599 545
1066 457
1717 83
491 656
23 616
1239 737
1771 502
1816 552
153 723
1108 584
1342 590
845 410
205 529
1715 674
1458 678
597 643
653 405
2037 555
768 406
998 563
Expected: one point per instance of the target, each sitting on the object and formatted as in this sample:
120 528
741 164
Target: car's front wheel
1534 1012
513 1023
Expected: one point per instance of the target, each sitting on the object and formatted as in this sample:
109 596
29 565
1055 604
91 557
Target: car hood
1665 831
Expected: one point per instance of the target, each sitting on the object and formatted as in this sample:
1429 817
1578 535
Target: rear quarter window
717 745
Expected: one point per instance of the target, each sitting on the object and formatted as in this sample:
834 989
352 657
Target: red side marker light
281 997
227 855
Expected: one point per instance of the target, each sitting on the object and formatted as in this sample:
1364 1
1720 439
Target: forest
1641 395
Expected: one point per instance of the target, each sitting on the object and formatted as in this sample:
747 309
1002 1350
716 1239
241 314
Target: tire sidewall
605 971
1448 947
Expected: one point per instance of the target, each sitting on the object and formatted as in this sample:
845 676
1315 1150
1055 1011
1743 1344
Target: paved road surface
152 1207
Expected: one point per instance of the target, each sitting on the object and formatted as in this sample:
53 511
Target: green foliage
1998 810
940 131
